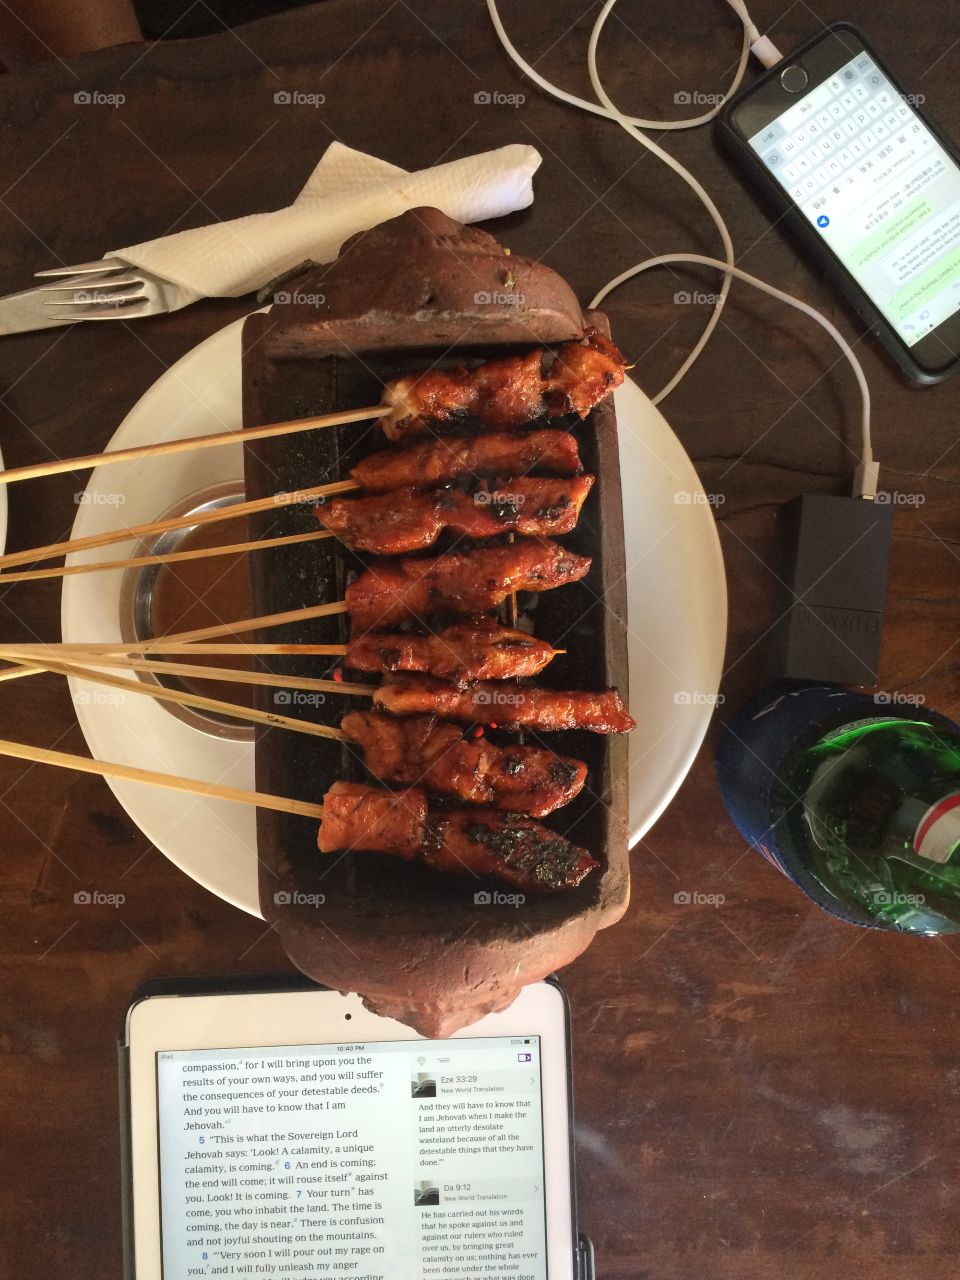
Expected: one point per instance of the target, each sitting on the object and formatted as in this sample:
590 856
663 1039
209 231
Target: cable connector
865 480
765 51
762 47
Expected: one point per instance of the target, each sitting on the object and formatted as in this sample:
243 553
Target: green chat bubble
926 286
884 237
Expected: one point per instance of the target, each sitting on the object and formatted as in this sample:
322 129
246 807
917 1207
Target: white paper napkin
347 192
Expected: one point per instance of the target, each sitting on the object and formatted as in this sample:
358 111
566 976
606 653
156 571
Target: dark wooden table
762 1093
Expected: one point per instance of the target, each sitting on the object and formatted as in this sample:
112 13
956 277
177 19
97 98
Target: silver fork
106 290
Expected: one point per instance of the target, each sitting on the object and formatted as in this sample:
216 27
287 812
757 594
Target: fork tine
103 299
95 312
90 283
84 268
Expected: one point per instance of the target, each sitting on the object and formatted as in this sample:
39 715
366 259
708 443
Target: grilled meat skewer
507 392
422 751
483 841
435 462
406 520
392 591
476 650
505 704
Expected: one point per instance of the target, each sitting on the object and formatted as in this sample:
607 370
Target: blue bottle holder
764 737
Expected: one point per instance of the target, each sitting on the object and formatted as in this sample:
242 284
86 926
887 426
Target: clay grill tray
414 942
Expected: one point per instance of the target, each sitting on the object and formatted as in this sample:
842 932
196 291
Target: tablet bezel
258 1019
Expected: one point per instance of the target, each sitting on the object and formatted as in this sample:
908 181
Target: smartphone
869 185
277 1128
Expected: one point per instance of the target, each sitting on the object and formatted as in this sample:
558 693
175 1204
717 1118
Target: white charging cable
865 482
751 37
614 113
752 40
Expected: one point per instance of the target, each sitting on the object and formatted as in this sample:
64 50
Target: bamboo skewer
238 509
230 675
196 700
14 673
236 548
266 620
130 773
151 647
134 454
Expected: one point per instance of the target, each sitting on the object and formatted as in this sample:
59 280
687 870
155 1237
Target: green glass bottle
861 809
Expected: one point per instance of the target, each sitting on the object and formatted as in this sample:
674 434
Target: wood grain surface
762 1093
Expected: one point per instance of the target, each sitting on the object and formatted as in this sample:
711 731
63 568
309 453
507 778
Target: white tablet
291 1133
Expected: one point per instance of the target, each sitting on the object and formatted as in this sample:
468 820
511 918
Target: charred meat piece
507 392
365 819
424 751
443 461
583 374
505 704
393 591
405 520
480 650
514 849
500 394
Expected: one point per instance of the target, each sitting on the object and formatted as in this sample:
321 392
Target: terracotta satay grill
435 951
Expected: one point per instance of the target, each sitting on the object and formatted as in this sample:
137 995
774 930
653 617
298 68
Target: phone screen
881 190
383 1161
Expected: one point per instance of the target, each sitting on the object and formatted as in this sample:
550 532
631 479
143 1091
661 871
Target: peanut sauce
189 594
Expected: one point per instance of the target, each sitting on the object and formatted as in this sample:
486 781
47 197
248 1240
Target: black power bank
836 577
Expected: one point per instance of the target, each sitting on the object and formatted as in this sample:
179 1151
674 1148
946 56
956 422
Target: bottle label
938 832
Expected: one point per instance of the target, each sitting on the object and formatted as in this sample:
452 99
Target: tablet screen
378 1161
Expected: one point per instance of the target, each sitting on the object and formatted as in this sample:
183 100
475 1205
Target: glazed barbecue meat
480 650
500 394
364 819
515 849
424 751
405 520
505 704
512 848
508 392
583 374
443 461
392 591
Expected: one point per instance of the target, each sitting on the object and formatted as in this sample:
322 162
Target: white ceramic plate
675 583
